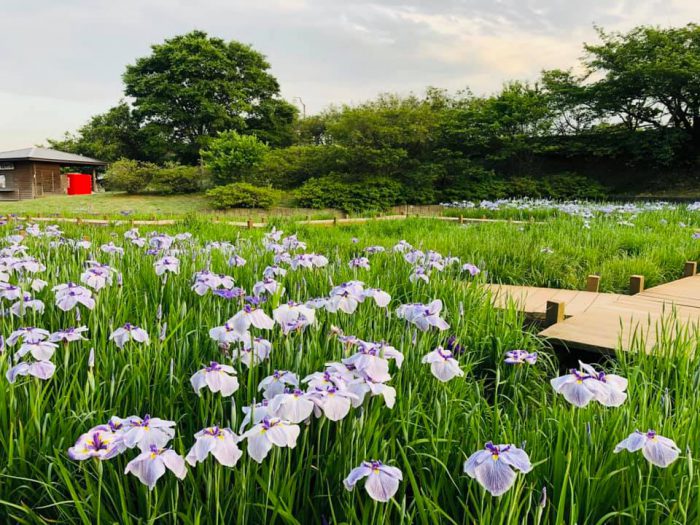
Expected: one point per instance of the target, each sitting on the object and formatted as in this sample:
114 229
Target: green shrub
339 192
232 157
569 186
562 186
176 178
128 175
243 195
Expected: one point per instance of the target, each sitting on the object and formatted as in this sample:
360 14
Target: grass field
122 205
433 426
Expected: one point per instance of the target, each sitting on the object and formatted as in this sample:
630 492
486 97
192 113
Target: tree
499 128
193 86
110 136
232 157
646 78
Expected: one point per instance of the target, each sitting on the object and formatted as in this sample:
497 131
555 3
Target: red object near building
79 184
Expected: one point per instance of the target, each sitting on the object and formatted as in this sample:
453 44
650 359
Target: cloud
323 51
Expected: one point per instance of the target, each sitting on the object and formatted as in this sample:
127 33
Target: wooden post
636 284
690 269
406 210
250 224
335 221
461 219
592 283
554 313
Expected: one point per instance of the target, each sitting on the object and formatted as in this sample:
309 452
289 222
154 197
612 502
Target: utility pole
303 106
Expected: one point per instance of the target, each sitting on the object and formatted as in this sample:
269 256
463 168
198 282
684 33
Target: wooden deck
609 322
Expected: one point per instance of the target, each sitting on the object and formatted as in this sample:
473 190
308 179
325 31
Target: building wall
48 179
19 182
32 179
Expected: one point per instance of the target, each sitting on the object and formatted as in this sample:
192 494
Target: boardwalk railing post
250 224
636 284
690 269
592 283
461 219
554 313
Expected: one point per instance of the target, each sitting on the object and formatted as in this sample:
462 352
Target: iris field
427 432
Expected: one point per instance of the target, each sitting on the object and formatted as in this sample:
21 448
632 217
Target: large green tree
646 78
112 135
194 86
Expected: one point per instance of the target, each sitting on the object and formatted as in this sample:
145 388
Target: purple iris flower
270 431
274 384
494 466
219 442
472 269
128 332
216 377
382 480
68 335
359 262
442 364
233 293
580 387
152 463
453 345
658 450
100 442
519 357
38 369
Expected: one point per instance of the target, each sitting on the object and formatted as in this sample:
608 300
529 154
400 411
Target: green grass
432 429
121 205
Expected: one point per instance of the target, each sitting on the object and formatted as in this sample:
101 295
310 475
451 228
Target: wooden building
33 172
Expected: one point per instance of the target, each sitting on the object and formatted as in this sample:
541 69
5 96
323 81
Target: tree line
628 112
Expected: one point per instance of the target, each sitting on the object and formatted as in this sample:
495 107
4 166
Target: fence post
636 284
461 219
250 224
690 269
554 313
592 283
335 221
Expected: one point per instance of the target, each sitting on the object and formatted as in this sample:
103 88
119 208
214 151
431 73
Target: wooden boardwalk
605 322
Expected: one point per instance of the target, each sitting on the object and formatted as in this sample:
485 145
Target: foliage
631 118
428 433
128 175
175 178
243 195
193 86
232 157
340 191
113 135
144 177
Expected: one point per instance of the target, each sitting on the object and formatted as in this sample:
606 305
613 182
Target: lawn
428 433
120 205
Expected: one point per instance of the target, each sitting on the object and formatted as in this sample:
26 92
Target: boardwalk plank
607 322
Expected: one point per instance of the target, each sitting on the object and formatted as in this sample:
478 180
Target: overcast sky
61 60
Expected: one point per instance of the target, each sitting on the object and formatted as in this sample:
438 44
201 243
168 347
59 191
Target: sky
61 61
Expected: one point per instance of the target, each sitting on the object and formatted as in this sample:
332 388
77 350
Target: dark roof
49 155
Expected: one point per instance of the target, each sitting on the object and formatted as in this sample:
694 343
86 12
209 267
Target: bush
232 157
142 177
243 195
336 191
128 175
563 186
570 186
175 178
